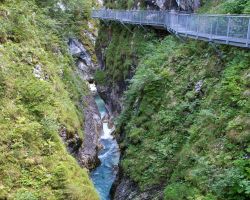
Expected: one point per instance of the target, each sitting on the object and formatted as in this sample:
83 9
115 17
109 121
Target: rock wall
126 189
183 5
87 154
111 94
86 151
85 66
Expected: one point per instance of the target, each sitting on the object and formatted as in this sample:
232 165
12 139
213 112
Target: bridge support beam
248 34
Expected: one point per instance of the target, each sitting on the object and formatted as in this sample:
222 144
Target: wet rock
129 190
111 124
72 142
77 49
88 153
105 118
84 71
112 95
85 66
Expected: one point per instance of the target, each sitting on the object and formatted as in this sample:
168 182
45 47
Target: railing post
248 34
228 28
197 24
158 18
186 24
165 20
140 17
211 30
177 29
216 28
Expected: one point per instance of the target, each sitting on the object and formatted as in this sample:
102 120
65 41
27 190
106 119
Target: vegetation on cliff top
186 116
40 94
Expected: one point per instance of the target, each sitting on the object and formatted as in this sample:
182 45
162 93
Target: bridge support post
228 28
211 31
197 24
140 18
165 20
248 34
178 16
186 25
216 28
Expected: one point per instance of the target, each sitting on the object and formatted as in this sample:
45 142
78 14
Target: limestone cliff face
86 151
87 154
184 5
85 66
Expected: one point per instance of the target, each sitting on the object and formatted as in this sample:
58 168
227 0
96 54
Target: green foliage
40 94
226 6
191 140
195 142
179 191
100 77
25 195
122 58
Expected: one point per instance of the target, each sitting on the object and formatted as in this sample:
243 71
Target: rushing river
104 176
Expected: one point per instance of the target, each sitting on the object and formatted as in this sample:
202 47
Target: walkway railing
225 29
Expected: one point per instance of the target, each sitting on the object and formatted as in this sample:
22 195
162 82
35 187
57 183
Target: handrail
225 29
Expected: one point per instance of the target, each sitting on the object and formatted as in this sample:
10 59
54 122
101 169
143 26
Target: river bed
104 176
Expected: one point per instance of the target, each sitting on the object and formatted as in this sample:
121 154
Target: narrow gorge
100 110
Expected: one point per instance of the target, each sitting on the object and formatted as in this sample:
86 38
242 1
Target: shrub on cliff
40 95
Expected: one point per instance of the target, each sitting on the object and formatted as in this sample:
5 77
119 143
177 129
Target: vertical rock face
189 5
128 190
185 5
112 96
86 151
161 4
85 66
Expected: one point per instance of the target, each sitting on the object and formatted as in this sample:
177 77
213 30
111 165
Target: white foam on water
92 87
104 176
107 132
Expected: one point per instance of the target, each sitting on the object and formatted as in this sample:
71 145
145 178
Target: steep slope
184 127
40 97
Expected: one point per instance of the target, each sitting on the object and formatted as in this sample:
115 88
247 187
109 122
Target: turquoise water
101 106
104 176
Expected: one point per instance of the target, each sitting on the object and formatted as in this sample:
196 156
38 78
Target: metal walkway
224 29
